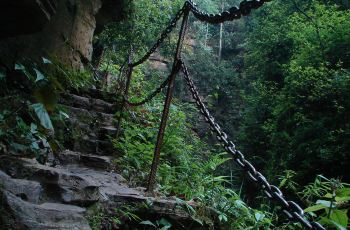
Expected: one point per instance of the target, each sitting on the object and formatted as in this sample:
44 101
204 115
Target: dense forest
276 80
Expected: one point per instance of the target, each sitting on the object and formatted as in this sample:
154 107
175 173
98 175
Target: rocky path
37 196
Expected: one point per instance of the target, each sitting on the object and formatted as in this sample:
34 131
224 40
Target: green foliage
100 218
145 20
332 202
27 110
161 224
290 90
298 113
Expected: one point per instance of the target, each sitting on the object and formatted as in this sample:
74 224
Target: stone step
101 131
44 216
90 104
74 184
98 94
93 161
71 183
86 145
89 117
108 131
30 191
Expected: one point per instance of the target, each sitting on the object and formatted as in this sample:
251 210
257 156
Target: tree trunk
206 36
221 34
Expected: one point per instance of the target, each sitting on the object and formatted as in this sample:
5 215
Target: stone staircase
37 196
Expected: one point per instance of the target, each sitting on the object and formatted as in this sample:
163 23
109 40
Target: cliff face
59 29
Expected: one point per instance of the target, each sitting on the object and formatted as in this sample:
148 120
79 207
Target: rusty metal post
169 96
126 92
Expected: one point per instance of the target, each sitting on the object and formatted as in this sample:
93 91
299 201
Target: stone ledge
19 17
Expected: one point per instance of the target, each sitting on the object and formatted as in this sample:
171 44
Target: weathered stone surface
92 161
93 146
45 216
30 191
107 131
66 37
74 183
90 117
14 16
87 103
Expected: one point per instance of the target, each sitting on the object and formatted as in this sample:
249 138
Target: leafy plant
332 204
161 224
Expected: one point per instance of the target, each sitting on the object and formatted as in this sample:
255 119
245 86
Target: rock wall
67 35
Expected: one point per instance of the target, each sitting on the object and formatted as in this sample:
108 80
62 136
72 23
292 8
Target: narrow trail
58 197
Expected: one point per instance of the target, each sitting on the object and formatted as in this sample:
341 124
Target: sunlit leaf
39 75
325 203
43 116
147 222
46 61
259 216
19 67
63 115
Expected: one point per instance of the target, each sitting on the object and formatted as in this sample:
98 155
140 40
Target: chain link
164 35
291 209
233 13
150 96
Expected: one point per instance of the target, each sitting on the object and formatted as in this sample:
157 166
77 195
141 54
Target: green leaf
342 199
147 222
39 75
283 182
259 216
343 192
340 217
328 195
222 217
22 68
19 67
325 203
315 208
2 74
46 61
165 223
63 115
338 226
43 116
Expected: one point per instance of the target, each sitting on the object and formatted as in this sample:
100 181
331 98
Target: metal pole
126 92
169 96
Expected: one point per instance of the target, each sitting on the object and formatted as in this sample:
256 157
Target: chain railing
290 208
293 211
150 96
163 36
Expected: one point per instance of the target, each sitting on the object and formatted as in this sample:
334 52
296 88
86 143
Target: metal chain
150 96
290 208
164 35
233 13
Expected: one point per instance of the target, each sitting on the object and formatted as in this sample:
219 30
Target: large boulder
42 217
